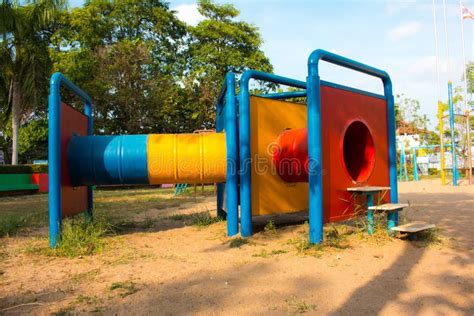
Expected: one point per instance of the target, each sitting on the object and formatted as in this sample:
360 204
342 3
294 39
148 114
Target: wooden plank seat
413 227
388 207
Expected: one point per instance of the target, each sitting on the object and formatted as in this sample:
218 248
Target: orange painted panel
339 108
270 193
270 118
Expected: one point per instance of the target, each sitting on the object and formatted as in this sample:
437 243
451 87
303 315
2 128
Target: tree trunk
16 99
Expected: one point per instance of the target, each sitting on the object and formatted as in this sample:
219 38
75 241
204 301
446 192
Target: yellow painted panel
186 158
270 194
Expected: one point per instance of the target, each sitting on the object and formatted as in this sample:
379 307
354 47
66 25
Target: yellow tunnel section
186 158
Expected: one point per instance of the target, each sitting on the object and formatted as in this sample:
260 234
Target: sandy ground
170 269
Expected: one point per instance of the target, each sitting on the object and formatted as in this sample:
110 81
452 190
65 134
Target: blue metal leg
370 214
392 221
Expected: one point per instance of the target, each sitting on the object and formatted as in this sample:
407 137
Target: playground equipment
442 164
403 173
285 157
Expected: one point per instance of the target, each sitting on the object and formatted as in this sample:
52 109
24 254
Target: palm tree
25 33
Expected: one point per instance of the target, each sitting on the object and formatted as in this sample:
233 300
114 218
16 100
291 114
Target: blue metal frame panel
314 136
226 120
54 151
244 140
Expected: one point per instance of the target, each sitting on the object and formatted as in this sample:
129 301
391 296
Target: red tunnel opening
358 151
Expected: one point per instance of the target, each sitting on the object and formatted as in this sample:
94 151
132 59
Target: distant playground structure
268 155
437 158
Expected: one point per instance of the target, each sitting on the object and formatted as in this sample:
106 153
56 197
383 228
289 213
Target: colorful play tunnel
147 159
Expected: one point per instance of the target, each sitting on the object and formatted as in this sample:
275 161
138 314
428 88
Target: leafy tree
129 56
24 60
470 77
408 118
219 44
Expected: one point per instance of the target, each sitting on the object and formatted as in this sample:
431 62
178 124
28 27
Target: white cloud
405 30
188 13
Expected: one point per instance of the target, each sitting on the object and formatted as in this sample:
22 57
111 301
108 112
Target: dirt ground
174 268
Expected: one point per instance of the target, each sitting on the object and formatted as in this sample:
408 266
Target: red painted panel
73 199
41 179
340 108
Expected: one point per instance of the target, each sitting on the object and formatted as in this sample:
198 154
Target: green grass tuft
82 238
124 289
270 227
204 219
238 242
265 254
201 219
296 306
429 237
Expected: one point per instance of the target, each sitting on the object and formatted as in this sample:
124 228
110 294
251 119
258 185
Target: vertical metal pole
370 214
220 186
392 147
441 142
245 159
54 161
232 162
466 101
314 154
415 166
90 131
454 167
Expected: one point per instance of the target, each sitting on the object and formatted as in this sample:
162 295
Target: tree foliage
25 33
146 71
470 77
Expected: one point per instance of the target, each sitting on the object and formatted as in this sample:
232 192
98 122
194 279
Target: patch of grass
238 242
304 247
179 217
296 306
333 238
11 222
265 254
85 276
86 299
205 219
201 219
81 238
429 237
124 289
122 226
270 227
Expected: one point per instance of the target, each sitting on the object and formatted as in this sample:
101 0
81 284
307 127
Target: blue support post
454 164
245 162
314 100
220 186
315 178
226 120
415 165
54 152
232 160
370 214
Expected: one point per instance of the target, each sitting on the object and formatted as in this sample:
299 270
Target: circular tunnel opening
359 151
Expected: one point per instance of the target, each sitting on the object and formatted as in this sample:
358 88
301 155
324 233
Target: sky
396 36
